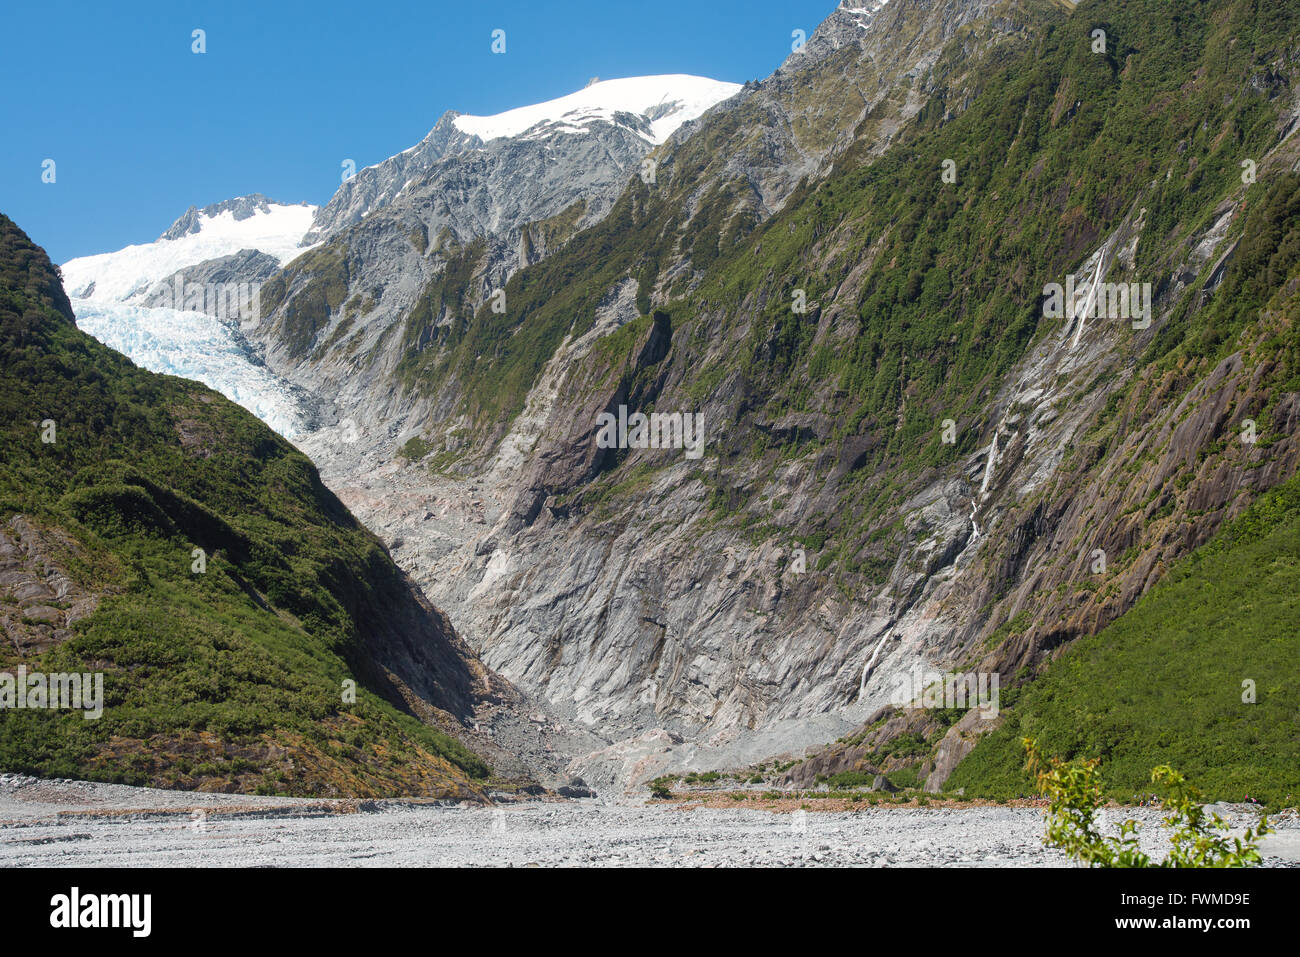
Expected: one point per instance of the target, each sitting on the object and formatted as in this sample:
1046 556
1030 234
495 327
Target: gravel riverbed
67 823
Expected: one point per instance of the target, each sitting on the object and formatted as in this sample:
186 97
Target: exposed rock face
390 228
39 600
245 266
476 189
582 145
379 185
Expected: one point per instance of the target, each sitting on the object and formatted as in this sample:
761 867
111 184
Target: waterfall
988 466
1092 294
870 666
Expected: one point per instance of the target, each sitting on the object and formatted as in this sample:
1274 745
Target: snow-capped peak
667 101
250 222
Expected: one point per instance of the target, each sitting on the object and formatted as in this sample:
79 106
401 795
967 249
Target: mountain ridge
598 110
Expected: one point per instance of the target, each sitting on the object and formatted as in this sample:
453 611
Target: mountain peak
632 115
240 208
667 100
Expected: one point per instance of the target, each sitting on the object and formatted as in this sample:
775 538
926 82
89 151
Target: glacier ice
195 346
186 343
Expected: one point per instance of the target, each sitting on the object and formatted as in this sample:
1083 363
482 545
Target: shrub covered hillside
158 534
1202 674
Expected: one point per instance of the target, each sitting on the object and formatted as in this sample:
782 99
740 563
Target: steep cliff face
910 460
406 380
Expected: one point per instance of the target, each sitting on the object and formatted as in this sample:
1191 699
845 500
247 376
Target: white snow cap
118 275
668 101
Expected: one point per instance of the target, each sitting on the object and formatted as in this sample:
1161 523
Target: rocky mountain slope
591 139
486 392
831 542
387 299
503 191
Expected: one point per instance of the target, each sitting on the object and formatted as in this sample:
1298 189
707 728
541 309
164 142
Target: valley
672 426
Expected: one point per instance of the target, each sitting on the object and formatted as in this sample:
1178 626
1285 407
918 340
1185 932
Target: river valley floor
80 824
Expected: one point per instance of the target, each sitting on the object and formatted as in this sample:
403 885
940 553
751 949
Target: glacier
187 343
200 347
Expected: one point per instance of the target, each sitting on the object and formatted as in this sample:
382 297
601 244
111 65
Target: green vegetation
851 779
307 312
554 231
1202 674
1049 159
1253 289
1074 792
231 678
439 317
414 449
420 238
497 356
704 777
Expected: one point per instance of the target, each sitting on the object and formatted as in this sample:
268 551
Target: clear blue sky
141 128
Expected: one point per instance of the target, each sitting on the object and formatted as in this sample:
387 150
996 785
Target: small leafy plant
1073 790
